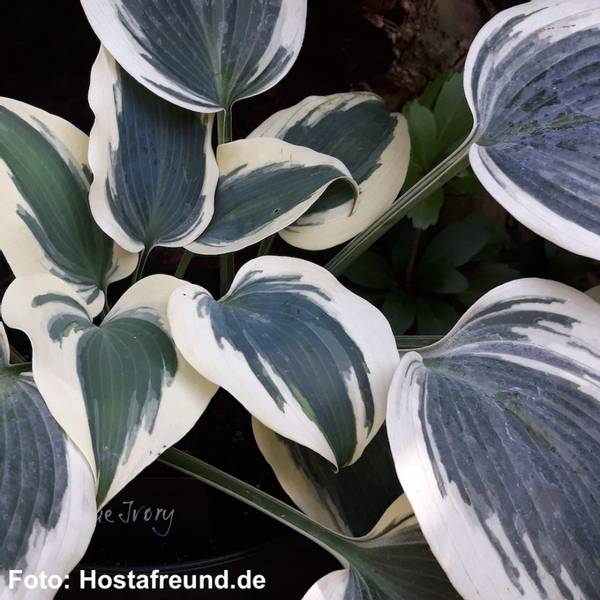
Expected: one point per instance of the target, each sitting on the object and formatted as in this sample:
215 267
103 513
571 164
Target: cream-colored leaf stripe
121 391
265 185
154 168
216 51
304 355
374 145
47 223
48 491
531 82
495 433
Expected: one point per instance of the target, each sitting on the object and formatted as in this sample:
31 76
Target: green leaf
154 168
485 278
265 185
375 147
305 356
531 82
465 183
48 506
452 115
423 134
442 280
456 244
120 391
427 213
432 90
47 225
400 310
400 243
372 271
495 432
201 55
452 247
434 316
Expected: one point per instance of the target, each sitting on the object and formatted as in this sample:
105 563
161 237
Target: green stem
184 263
226 261
139 270
412 260
408 342
226 272
106 307
433 181
224 127
254 497
265 245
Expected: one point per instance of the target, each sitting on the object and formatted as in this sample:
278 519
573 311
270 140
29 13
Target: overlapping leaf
201 54
47 501
305 356
392 561
350 500
265 185
374 145
531 81
121 391
495 433
47 225
154 168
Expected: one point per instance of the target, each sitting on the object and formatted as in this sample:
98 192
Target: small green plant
465 469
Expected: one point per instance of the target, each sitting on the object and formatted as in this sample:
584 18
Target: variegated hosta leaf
4 347
357 129
303 354
531 79
203 55
392 562
47 503
266 184
154 168
121 391
47 225
350 500
495 433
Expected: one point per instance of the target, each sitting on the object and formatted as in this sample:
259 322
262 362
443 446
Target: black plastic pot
206 533
179 525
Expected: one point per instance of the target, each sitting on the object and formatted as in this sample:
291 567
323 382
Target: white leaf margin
55 371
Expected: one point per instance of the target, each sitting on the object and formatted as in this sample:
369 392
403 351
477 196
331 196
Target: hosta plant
468 468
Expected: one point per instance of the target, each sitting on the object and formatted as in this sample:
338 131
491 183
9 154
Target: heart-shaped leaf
121 391
154 168
495 433
304 355
531 81
265 185
203 55
47 504
350 500
47 225
374 145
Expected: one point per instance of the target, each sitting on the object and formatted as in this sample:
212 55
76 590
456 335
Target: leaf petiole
226 261
280 511
434 180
